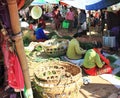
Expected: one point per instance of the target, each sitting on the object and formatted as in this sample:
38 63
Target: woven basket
55 47
65 80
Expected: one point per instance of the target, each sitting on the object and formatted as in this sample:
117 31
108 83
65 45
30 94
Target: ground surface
98 88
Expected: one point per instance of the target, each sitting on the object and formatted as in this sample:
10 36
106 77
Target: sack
65 24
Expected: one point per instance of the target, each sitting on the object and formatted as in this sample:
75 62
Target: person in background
64 11
74 51
82 20
113 24
42 21
103 17
95 63
33 25
70 18
39 33
56 17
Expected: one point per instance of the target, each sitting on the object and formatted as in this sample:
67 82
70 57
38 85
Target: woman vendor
95 63
74 51
40 34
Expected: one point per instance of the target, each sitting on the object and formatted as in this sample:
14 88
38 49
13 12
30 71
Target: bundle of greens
112 59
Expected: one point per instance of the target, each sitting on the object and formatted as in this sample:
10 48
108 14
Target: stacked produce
55 47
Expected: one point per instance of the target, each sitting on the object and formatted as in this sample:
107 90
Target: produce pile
55 47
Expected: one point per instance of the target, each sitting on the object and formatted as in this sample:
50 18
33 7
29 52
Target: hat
36 12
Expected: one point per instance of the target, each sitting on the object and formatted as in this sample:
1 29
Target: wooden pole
15 24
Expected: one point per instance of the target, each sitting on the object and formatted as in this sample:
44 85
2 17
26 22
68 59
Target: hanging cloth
14 71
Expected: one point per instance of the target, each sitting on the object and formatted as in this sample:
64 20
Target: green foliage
117 75
27 52
67 37
26 38
38 48
86 45
26 41
53 35
111 58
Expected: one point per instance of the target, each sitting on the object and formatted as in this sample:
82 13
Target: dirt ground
98 88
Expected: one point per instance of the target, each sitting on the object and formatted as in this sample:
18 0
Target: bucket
109 41
65 24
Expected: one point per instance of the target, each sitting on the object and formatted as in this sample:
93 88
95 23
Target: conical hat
36 12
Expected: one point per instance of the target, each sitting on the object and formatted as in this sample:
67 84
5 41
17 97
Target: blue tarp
101 4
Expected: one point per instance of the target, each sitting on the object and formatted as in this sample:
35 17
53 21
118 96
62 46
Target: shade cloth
38 2
90 4
101 4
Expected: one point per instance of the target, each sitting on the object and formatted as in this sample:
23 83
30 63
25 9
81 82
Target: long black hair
98 44
77 35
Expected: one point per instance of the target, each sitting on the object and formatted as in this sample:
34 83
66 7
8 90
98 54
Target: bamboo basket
65 82
55 47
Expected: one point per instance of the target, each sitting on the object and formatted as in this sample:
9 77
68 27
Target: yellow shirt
74 50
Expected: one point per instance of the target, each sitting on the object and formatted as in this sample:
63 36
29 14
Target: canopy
53 1
38 2
79 3
90 4
102 4
42 2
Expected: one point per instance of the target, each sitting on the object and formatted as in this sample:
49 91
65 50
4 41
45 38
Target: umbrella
53 1
38 2
42 2
102 4
90 4
79 3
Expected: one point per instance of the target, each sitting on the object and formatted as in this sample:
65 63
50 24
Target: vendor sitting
39 33
95 63
74 51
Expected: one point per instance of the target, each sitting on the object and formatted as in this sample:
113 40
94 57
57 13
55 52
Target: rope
21 94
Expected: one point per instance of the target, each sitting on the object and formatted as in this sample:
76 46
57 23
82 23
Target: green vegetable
111 58
38 48
117 75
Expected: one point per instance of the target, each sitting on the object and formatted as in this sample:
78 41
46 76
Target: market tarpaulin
42 2
101 4
38 2
80 3
90 4
53 1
